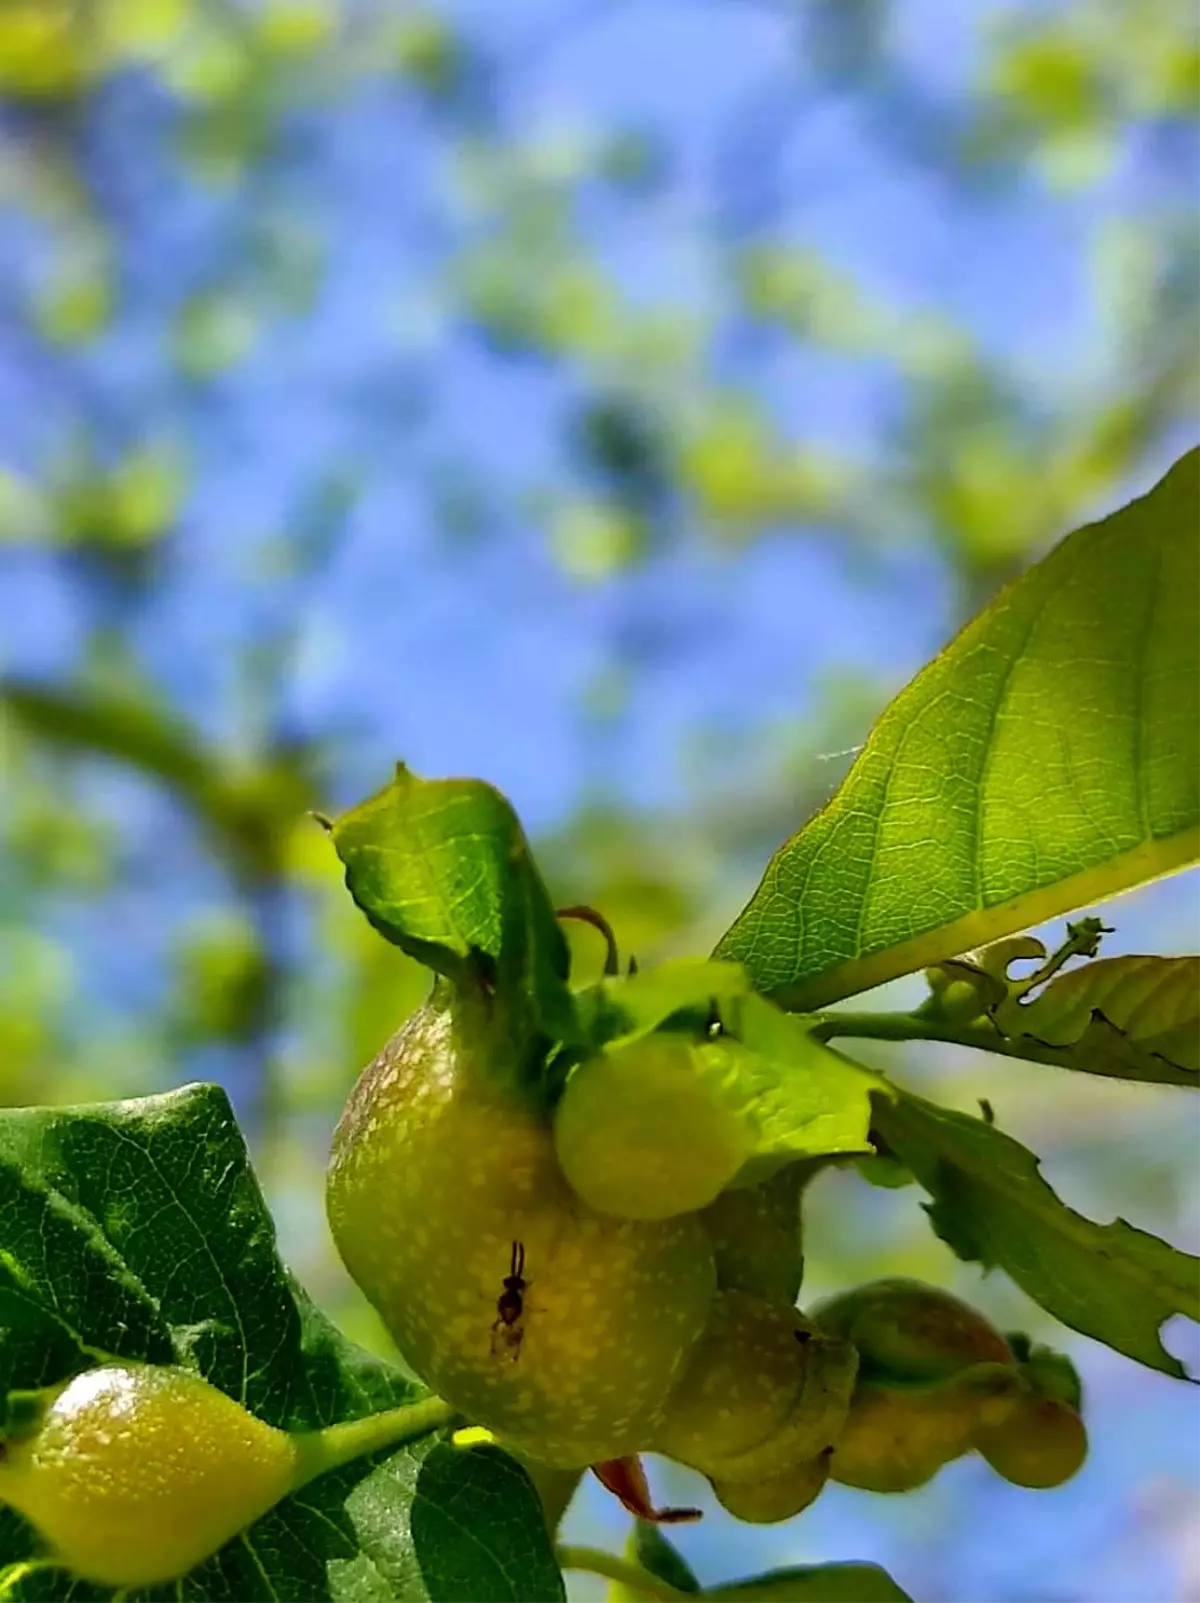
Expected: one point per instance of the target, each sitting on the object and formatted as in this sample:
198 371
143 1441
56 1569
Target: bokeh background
616 400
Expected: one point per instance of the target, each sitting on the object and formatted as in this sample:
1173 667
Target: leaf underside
1048 758
991 1206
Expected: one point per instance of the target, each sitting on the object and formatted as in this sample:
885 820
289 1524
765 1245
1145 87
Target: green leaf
136 1231
442 869
1133 1017
1046 759
800 1097
817 1583
650 1548
991 1206
616 1012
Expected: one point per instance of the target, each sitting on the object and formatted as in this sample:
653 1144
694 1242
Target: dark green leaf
817 1583
441 867
1133 1017
136 1230
1046 759
991 1206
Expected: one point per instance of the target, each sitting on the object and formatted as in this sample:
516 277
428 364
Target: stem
987 1038
1083 940
622 1570
319 1451
910 1027
589 915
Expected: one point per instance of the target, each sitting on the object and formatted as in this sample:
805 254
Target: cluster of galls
588 1284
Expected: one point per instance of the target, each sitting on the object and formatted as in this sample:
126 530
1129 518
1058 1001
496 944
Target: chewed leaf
136 1231
442 869
817 1583
801 1098
1048 758
991 1205
1134 1018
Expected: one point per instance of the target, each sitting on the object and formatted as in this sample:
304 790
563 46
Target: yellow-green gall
1041 1444
780 1497
135 1473
906 1330
642 1131
898 1434
437 1180
763 1393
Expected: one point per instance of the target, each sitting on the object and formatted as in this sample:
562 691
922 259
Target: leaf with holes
1131 1018
991 1206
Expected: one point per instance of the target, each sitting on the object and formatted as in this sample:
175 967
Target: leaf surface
991 1206
802 1098
1131 1017
1046 759
618 1011
442 868
136 1231
818 1583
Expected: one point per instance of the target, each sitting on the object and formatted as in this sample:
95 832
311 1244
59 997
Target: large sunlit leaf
991 1206
1049 757
1132 1017
136 1231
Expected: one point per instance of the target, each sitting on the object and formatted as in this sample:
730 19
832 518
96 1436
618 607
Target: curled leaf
1131 1018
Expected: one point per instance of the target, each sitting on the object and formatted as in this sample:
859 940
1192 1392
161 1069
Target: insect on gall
507 1329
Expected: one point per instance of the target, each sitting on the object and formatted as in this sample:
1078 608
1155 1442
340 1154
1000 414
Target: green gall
757 1236
561 1329
763 1393
905 1330
642 1132
780 1497
137 1473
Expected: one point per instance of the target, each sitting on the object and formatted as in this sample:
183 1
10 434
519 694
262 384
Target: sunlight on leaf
1047 758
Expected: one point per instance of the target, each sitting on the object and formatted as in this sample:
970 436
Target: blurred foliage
176 223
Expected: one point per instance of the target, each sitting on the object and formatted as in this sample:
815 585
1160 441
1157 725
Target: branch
910 1027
